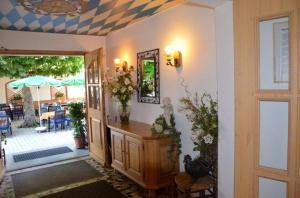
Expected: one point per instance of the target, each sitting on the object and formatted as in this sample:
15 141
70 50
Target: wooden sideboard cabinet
142 156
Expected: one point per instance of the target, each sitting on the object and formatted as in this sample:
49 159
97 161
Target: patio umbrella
35 81
73 81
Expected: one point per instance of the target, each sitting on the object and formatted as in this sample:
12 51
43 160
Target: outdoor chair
56 104
59 118
5 124
18 110
44 107
2 104
69 122
7 109
54 108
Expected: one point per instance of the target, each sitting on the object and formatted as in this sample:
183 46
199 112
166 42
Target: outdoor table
48 115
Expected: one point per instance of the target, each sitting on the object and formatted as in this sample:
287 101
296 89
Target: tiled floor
118 181
27 139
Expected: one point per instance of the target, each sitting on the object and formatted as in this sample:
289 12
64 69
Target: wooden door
134 158
267 157
95 105
118 150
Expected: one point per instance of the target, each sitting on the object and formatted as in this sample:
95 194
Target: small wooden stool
186 185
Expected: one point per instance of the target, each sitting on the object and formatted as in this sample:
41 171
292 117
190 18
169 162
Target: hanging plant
161 128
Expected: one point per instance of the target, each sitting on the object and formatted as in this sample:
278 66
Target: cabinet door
118 157
134 158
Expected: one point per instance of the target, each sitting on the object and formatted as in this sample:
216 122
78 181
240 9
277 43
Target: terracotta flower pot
79 143
18 101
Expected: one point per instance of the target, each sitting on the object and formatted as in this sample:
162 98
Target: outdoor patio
24 140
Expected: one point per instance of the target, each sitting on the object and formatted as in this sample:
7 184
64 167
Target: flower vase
124 112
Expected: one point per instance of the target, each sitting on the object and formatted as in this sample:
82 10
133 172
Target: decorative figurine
168 109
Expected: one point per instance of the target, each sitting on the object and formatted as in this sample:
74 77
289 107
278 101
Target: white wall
49 41
44 93
193 29
225 76
3 81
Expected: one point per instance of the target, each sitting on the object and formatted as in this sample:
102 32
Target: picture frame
148 77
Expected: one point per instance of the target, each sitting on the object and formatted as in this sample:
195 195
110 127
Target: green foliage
3 138
23 66
17 97
161 128
77 114
29 125
59 94
203 114
147 87
122 86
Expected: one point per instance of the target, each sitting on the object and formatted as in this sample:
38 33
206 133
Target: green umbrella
35 81
73 81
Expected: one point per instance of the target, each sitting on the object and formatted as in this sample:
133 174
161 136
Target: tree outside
17 67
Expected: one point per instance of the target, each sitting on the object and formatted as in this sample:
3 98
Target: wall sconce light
173 57
120 63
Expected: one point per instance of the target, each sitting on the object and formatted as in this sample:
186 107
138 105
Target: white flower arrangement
158 128
121 85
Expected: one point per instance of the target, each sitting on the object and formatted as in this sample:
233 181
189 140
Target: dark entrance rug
35 181
93 190
42 153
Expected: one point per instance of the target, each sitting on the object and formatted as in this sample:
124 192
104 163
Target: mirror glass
148 76
274 53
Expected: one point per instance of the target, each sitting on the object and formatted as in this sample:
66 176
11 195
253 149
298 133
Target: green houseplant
202 112
59 95
77 114
16 98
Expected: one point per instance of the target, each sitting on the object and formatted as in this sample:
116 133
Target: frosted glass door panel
269 188
274 53
274 129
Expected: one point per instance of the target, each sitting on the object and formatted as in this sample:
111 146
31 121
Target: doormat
40 154
31 182
93 190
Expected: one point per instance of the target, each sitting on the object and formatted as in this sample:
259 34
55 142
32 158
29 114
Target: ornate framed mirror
148 76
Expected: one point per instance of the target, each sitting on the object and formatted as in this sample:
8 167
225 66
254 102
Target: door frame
247 14
20 52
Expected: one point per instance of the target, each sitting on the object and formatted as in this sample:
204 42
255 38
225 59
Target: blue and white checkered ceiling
87 17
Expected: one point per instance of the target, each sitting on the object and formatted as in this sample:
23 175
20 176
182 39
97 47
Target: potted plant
78 117
202 112
59 95
17 98
122 88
